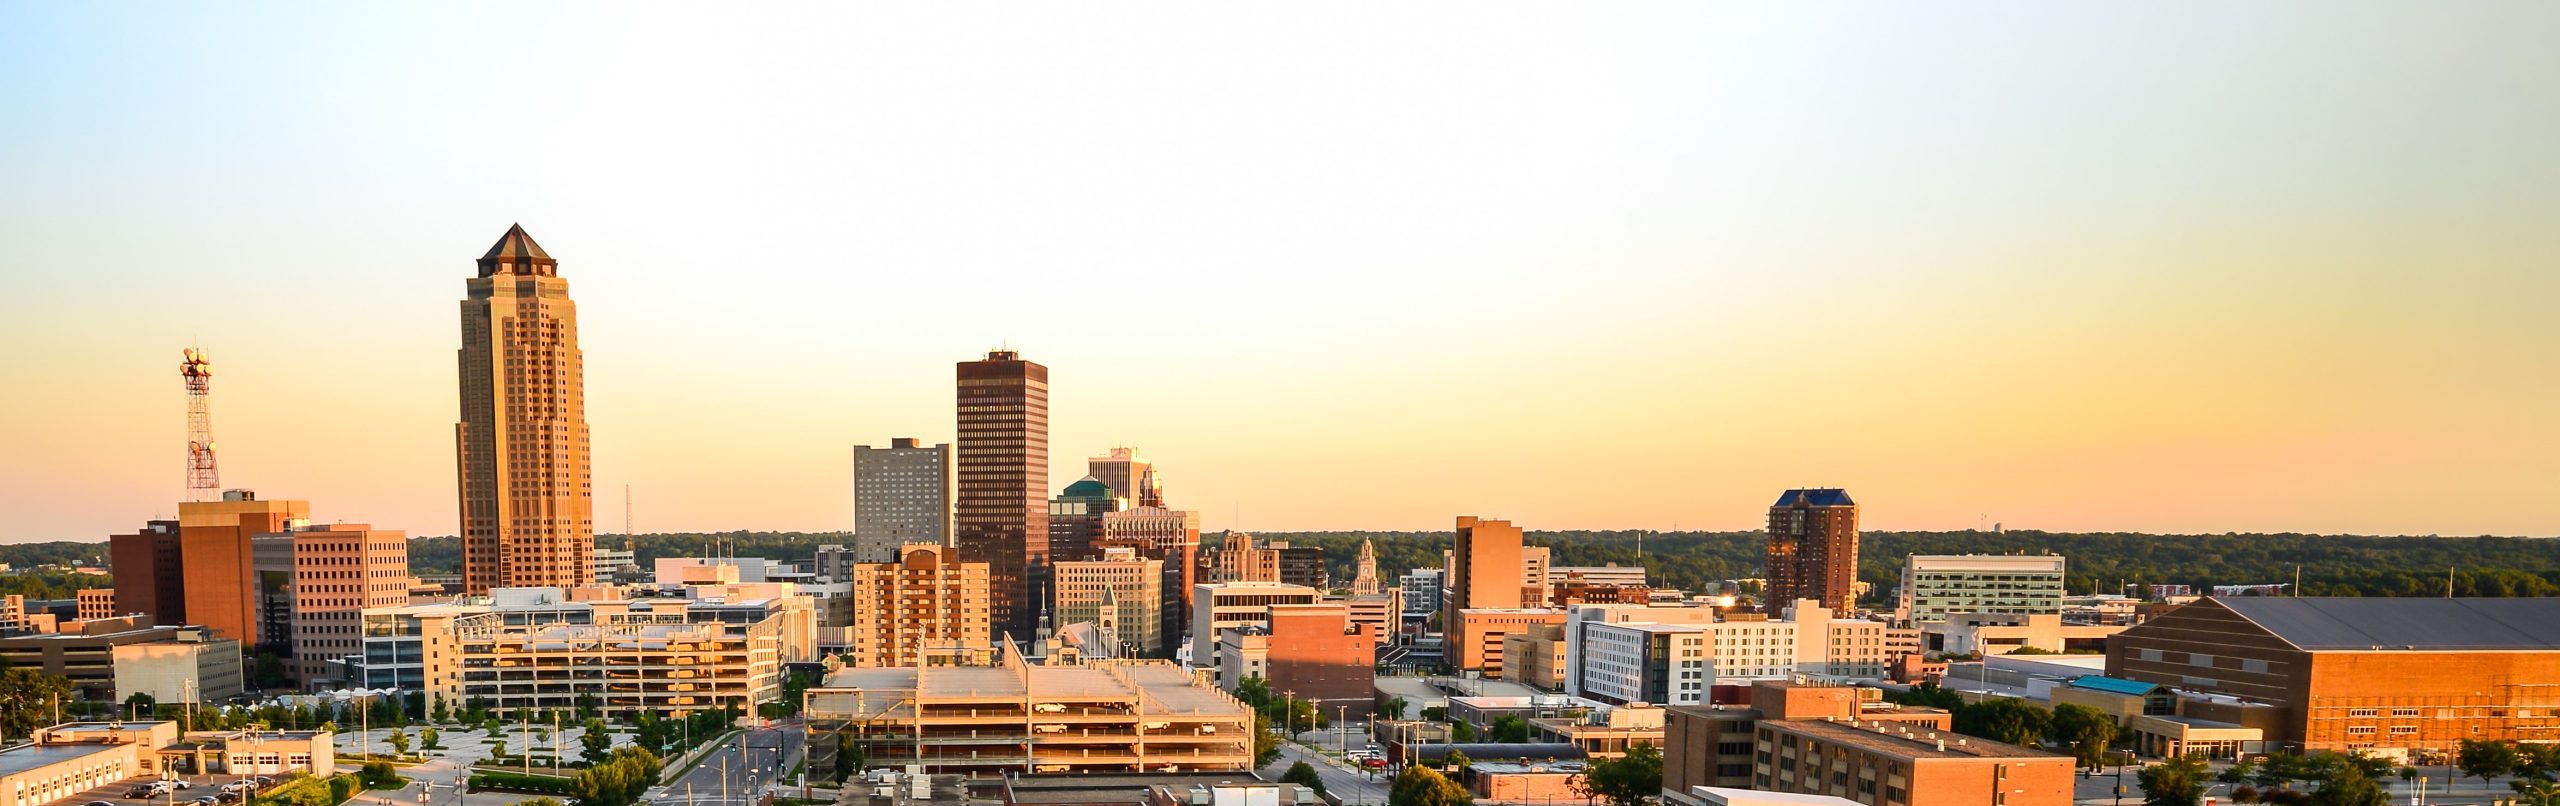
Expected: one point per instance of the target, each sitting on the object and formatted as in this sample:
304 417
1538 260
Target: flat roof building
1936 586
1004 716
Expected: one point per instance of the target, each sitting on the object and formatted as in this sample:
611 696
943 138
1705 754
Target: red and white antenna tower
203 481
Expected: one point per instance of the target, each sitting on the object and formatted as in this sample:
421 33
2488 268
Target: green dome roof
1087 487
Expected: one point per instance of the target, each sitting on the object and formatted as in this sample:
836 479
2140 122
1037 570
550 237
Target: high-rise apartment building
1123 471
1485 569
150 568
1130 586
1813 550
1935 586
1172 536
338 571
901 495
1002 460
928 600
221 566
521 447
1075 519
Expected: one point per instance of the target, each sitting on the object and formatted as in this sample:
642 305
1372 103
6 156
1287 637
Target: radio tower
203 481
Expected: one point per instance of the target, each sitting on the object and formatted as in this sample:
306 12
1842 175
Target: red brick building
2362 674
1308 652
1813 550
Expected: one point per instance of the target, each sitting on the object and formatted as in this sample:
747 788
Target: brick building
1842 741
1308 652
2359 674
1475 645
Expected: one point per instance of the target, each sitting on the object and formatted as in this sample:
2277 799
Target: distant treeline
2331 565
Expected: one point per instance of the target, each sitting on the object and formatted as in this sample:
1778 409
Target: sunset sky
2174 267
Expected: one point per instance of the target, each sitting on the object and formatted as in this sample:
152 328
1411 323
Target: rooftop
2322 623
2114 685
1163 687
1892 744
27 757
1816 497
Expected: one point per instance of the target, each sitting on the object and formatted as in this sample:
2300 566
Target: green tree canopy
2003 720
1629 780
2176 782
27 700
1304 775
1421 786
2083 731
2348 785
1511 729
2485 759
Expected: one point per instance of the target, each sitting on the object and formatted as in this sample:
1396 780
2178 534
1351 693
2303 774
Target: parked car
140 792
97 803
180 783
1375 763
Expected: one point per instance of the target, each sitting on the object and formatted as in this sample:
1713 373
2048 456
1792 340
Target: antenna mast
204 482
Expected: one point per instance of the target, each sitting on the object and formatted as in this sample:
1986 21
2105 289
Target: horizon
2279 269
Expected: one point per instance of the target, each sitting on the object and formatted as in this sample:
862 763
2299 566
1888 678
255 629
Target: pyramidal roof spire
516 253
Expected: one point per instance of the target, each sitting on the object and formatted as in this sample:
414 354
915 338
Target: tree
1461 732
2083 730
2003 720
1456 762
1625 781
430 740
1928 695
2485 759
618 781
848 756
1420 786
1305 776
2535 792
439 712
400 742
2240 772
1266 740
2176 782
27 698
380 775
2347 785
1393 708
1511 729
541 801
597 744
588 706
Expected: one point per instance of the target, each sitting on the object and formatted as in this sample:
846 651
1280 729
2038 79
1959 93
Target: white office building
1935 586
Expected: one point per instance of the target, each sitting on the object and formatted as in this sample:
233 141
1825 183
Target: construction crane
204 482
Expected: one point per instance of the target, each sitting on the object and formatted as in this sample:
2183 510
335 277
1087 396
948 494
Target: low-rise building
1714 745
1477 645
96 603
65 760
85 653
1222 606
1606 732
1308 652
2001 634
701 648
187 666
1001 716
1892 763
1536 657
1526 781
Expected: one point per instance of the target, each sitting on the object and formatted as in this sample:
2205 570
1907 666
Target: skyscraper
1484 569
1121 470
1002 460
901 495
1813 550
1075 520
521 449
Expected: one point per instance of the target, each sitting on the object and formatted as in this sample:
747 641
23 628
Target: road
734 774
2100 790
1348 783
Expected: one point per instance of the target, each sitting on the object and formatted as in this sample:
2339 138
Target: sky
2166 267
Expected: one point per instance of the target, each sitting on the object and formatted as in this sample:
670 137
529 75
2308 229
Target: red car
1375 763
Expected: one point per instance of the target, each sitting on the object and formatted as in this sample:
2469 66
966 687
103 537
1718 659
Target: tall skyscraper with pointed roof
521 448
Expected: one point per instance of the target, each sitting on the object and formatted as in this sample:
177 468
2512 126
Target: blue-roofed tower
1813 550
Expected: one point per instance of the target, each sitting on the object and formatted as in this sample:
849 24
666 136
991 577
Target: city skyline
2082 291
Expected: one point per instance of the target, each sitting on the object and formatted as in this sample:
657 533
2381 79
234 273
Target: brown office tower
150 571
1003 475
1484 570
1813 550
521 448
220 577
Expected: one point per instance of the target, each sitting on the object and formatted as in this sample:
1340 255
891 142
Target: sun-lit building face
2062 267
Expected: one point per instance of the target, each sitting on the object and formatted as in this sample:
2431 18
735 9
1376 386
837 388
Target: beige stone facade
521 447
338 571
928 599
1134 586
